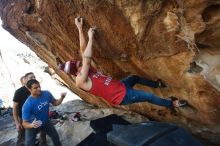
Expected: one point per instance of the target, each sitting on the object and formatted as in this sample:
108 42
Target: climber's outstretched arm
82 40
82 77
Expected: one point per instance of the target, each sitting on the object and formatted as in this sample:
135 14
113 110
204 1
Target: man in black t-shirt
19 99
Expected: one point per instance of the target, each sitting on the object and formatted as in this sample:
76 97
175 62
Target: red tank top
110 89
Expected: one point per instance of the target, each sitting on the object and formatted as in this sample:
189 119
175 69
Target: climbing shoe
178 103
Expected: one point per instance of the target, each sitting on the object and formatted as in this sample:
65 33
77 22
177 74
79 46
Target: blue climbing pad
151 134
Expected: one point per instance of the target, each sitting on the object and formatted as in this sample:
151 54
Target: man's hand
79 22
91 32
19 126
36 123
63 95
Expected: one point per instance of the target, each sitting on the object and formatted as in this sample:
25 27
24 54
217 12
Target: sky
14 67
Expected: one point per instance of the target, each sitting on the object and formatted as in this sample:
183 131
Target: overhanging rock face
176 41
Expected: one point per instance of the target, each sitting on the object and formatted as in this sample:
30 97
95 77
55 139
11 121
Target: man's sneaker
161 84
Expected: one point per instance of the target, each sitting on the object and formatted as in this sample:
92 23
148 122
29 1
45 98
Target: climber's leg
133 96
133 79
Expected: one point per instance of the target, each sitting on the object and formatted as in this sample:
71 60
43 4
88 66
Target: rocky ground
8 131
70 132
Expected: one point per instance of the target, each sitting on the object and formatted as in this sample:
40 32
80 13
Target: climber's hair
31 82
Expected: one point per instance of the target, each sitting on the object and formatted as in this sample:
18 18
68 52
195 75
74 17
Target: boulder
174 40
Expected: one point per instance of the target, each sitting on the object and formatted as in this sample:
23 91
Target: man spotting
35 113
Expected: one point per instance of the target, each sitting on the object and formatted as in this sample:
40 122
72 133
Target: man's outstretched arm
86 60
59 101
82 40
